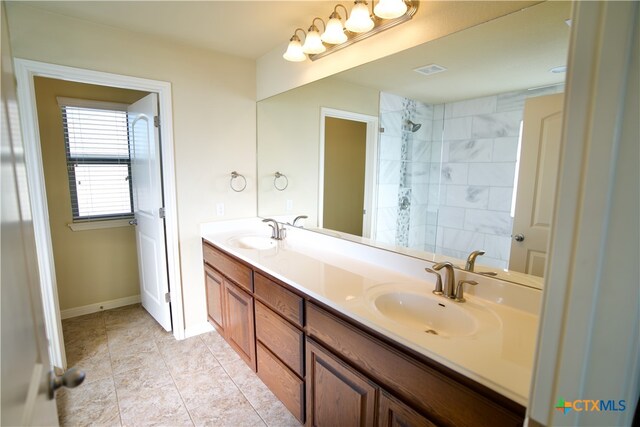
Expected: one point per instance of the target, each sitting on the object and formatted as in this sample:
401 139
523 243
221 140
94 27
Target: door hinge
156 121
167 297
162 213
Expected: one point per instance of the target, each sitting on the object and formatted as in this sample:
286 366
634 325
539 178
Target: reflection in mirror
463 157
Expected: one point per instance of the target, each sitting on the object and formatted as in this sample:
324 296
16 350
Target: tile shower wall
448 186
403 216
477 170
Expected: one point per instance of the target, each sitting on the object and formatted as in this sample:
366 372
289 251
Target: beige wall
434 19
289 130
345 149
94 265
213 117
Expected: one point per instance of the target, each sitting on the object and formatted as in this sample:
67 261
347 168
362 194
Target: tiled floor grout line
113 375
236 384
175 384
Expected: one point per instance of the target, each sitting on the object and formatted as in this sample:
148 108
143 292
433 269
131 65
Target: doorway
348 159
26 71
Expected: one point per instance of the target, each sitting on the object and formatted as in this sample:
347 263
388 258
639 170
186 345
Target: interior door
146 176
25 350
541 136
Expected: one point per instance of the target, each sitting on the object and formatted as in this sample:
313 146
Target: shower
411 127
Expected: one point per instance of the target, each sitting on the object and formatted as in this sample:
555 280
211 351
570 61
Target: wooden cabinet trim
215 298
281 337
240 331
285 384
281 300
394 413
446 401
229 266
322 366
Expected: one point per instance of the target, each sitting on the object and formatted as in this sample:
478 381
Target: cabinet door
337 395
215 298
239 327
394 413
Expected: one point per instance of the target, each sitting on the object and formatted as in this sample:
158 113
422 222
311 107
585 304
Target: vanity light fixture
360 24
294 51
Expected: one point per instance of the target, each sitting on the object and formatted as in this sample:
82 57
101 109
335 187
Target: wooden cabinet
239 327
337 395
393 413
214 283
444 396
279 317
329 370
230 310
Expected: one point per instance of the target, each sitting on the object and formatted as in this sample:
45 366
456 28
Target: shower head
412 127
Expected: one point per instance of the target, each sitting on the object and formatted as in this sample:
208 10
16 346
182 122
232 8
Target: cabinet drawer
279 336
234 270
281 381
417 384
279 299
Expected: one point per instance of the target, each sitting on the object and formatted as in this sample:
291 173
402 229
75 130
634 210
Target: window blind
98 160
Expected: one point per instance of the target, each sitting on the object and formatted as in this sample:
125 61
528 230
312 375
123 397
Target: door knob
518 237
71 378
133 222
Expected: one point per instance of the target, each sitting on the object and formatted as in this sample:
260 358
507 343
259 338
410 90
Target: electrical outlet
220 209
289 207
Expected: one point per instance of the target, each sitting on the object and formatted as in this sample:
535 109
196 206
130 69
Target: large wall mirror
437 151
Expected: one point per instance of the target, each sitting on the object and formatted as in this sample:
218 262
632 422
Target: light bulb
389 9
313 43
334 33
359 21
294 51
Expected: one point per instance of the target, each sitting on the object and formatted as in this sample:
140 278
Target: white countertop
345 275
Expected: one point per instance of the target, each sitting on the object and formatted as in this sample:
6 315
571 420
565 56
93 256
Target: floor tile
198 389
190 355
89 404
233 410
123 362
155 406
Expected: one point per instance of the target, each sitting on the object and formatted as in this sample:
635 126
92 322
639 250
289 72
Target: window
98 161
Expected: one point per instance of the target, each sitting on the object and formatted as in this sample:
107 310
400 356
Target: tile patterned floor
139 375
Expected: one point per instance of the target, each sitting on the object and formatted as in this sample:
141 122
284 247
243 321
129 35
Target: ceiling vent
430 69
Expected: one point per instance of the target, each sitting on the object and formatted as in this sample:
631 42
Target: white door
540 154
146 176
25 350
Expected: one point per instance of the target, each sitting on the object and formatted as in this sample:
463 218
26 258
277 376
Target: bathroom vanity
331 328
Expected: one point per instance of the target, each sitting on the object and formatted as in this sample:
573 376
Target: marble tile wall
477 170
448 187
404 174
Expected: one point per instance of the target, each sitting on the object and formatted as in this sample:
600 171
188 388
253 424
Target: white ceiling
248 29
510 53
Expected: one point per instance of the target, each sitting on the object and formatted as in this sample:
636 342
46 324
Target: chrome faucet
299 217
471 260
277 232
471 263
459 295
449 278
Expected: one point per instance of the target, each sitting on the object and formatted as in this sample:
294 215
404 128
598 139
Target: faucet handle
460 289
438 289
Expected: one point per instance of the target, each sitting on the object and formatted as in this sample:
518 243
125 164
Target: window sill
95 225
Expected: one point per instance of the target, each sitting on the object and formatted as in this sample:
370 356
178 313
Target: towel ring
235 175
275 181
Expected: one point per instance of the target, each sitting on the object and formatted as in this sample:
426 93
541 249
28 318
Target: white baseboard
200 328
94 308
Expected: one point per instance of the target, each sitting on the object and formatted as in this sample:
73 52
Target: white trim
99 306
588 343
90 103
25 71
371 166
200 328
96 225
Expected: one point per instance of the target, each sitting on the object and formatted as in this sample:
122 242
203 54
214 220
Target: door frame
371 165
25 71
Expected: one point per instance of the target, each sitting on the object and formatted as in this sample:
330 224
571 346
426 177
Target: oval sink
252 242
433 315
